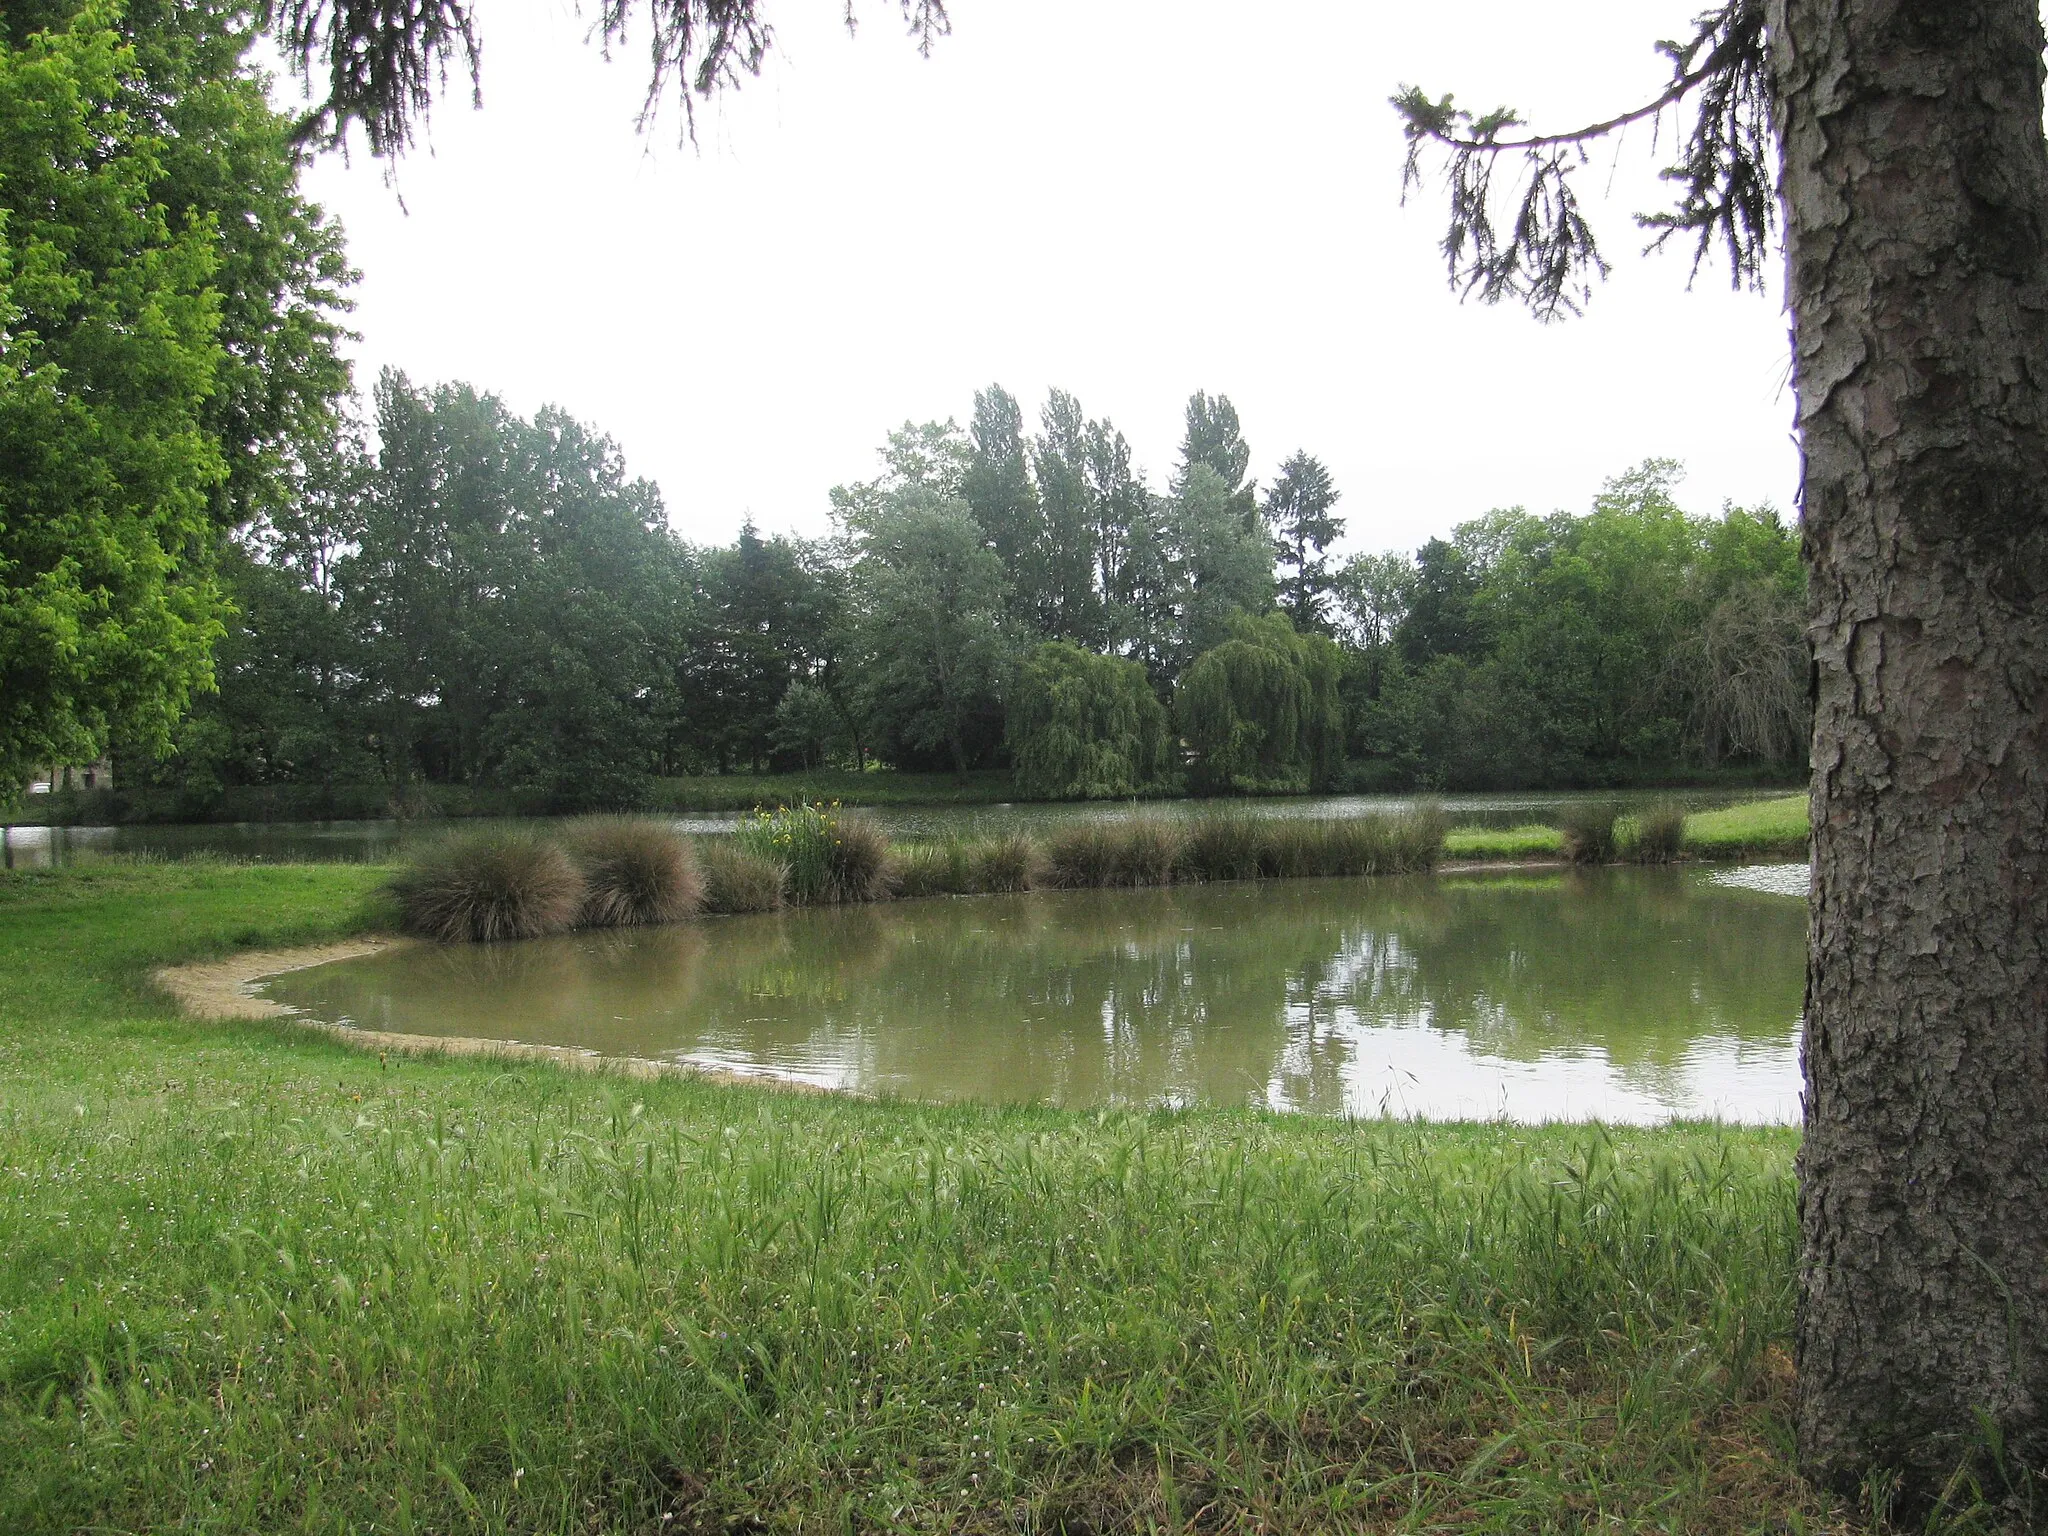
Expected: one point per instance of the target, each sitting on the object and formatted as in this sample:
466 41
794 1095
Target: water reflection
1621 994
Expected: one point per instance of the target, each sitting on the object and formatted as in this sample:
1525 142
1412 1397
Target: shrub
737 879
489 886
1659 833
1008 861
1223 845
1588 831
634 873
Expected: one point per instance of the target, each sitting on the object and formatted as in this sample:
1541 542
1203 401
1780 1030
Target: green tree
170 301
1261 711
1212 438
999 490
1070 605
1082 726
931 622
1299 516
109 605
1222 565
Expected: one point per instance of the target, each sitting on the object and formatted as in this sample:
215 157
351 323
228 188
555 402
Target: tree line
488 600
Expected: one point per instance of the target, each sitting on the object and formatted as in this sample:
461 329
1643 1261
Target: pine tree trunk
1916 197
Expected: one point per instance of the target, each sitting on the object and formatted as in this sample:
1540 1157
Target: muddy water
1636 995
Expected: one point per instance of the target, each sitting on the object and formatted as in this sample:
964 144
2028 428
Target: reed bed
932 869
490 886
635 872
1145 850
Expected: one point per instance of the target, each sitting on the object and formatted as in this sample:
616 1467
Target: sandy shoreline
226 989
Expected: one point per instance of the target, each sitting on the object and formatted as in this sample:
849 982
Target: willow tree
1905 144
1260 712
1083 726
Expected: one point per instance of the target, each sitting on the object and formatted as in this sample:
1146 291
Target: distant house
99 775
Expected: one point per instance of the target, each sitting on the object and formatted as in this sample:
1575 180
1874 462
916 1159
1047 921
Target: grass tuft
859 862
738 879
487 887
1657 834
1006 861
635 873
1587 829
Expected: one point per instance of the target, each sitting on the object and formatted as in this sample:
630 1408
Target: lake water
375 841
1619 994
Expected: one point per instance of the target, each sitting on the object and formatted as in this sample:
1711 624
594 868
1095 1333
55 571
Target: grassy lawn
255 1281
1777 826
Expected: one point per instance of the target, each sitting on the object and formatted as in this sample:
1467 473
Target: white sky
1130 199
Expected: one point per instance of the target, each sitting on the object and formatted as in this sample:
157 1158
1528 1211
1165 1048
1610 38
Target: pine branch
1548 255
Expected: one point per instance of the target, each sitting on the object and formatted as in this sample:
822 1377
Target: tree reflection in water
1631 994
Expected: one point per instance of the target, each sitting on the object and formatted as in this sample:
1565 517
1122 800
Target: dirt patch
226 989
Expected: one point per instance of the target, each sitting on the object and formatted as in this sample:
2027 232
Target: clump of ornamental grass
1223 845
489 886
1588 831
1659 833
929 869
1141 851
635 873
738 879
859 865
1006 861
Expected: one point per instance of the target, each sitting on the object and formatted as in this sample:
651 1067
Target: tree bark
1915 190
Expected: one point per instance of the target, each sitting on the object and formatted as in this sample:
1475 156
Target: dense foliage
167 301
1083 726
1260 712
491 602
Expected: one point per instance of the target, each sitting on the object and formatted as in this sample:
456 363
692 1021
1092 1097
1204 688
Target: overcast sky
1129 199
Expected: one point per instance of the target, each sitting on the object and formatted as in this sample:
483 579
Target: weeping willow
1260 713
1083 726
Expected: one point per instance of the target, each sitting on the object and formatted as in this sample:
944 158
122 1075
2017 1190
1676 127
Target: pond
1618 994
373 841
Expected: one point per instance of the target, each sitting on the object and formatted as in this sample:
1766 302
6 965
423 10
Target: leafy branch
1544 252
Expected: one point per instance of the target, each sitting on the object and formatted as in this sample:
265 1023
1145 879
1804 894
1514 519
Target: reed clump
635 873
1223 845
1588 832
858 865
1005 862
931 869
1141 851
1659 834
489 886
739 879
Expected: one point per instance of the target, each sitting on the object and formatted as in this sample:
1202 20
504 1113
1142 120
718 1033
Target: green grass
251 1280
1529 842
1760 826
